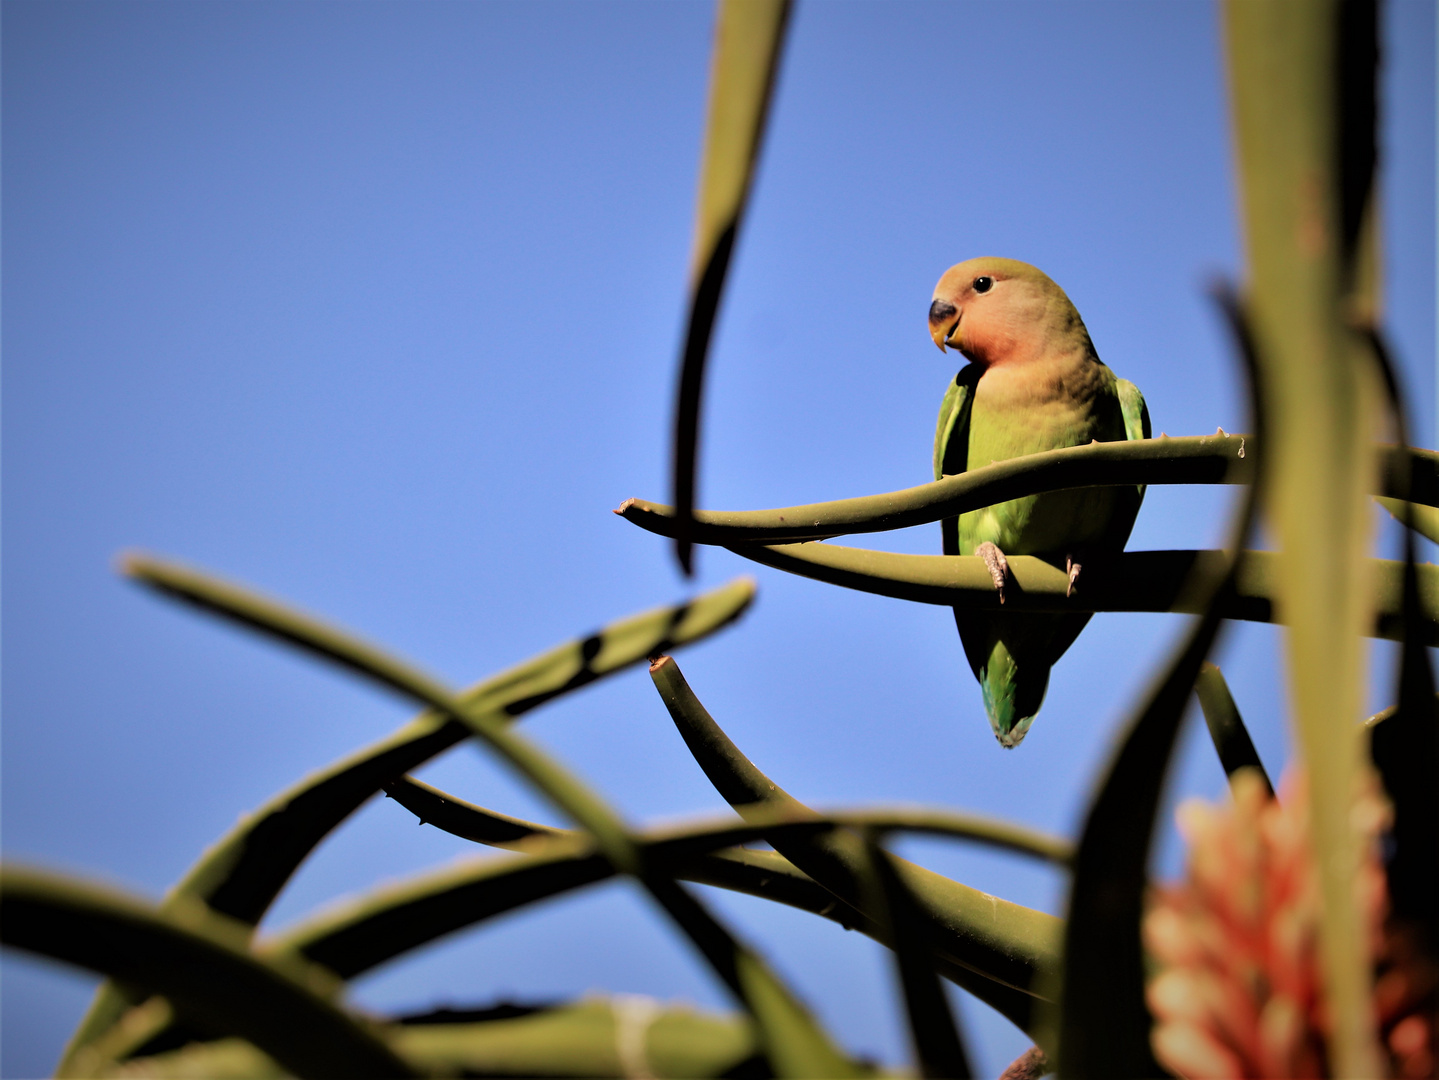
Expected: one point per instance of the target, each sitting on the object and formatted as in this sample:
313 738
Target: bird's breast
1027 411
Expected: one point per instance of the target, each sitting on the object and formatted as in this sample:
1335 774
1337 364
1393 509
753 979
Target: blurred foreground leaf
793 1042
242 873
198 960
1104 1020
1423 519
1226 727
1302 78
933 1029
602 1037
996 948
748 36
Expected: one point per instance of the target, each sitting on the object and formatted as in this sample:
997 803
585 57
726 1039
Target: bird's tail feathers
1012 694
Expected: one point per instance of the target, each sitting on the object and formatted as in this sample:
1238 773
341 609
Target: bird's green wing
1135 412
1136 418
951 434
951 443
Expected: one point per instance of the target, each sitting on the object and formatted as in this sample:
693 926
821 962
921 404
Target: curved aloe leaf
998 946
359 934
1302 78
465 820
606 1037
793 1041
748 36
1104 1029
242 873
1226 727
1422 519
1104 1021
1406 748
198 960
567 792
1207 459
933 1032
460 818
1174 581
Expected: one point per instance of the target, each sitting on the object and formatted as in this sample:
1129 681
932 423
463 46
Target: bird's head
999 311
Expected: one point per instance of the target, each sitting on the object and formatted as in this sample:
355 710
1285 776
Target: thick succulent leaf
242 873
1302 85
795 1045
933 1031
1226 727
357 934
1174 581
1104 1021
459 818
1207 459
793 1041
748 37
454 815
998 947
198 960
620 1036
1423 519
275 619
1406 747
604 1037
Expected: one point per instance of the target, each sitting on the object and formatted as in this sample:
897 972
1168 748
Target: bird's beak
943 321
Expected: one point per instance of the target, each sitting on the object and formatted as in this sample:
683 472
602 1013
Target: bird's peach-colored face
989 309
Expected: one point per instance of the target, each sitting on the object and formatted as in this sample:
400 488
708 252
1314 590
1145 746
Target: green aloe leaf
1406 747
357 934
454 815
1226 727
1207 459
617 1036
933 1031
794 1043
1302 86
242 873
607 1037
793 1040
198 960
463 819
270 617
997 947
748 37
1423 519
1174 581
1104 1022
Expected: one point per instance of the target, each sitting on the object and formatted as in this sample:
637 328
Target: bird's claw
1072 568
997 565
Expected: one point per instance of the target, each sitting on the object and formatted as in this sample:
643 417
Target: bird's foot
997 565
1072 568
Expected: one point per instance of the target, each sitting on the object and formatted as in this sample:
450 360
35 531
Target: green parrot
1033 383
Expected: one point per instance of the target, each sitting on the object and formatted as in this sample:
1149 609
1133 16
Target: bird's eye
983 284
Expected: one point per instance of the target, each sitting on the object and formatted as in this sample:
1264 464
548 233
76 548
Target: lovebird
1034 382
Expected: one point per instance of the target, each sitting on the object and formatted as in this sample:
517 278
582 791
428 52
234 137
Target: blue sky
377 307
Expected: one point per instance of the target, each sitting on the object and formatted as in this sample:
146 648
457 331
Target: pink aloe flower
1236 989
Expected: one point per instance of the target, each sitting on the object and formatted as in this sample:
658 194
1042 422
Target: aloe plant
195 990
